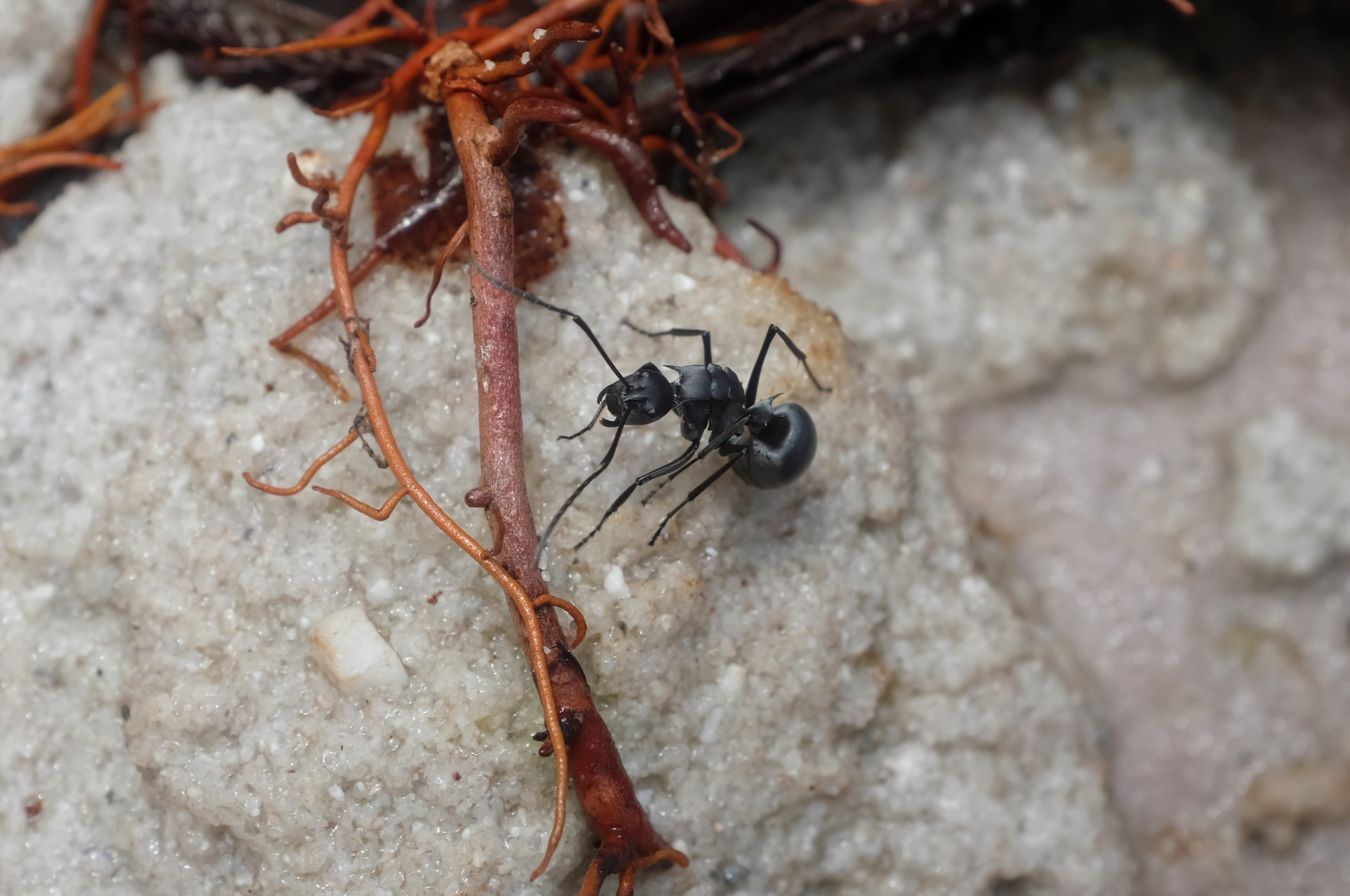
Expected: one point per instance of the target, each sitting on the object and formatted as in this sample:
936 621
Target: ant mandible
767 445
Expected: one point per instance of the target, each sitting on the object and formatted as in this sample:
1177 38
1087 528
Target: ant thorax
708 398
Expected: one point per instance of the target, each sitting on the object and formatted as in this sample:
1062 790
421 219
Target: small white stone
354 655
538 33
380 592
39 596
733 678
615 583
683 283
525 58
257 443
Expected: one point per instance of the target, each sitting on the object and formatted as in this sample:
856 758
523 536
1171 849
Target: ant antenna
587 428
531 297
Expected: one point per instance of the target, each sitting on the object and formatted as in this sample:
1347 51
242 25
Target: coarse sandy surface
1156 458
1060 608
814 687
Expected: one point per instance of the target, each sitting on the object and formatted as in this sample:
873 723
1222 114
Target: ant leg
646 499
678 331
585 429
531 297
753 386
698 490
708 449
673 467
604 462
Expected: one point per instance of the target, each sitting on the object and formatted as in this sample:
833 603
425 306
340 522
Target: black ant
767 445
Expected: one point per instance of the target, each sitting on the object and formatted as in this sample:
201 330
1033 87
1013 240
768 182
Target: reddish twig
361 363
342 445
314 45
602 785
90 122
84 56
365 14
584 751
522 112
42 162
635 169
541 46
380 513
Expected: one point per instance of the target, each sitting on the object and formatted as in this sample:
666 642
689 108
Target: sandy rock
1291 512
814 688
988 241
1105 498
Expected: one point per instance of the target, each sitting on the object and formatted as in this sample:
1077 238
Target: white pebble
354 655
683 283
732 679
615 583
380 592
257 443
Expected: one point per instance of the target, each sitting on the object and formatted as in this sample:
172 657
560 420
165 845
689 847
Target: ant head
642 397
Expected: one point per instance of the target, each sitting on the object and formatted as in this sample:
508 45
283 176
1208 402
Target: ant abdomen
781 445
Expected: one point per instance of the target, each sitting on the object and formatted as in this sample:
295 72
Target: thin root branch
536 53
635 169
441 262
545 16
342 445
366 13
57 159
294 218
93 120
362 104
521 113
314 45
325 372
309 181
551 600
772 266
380 513
43 161
84 55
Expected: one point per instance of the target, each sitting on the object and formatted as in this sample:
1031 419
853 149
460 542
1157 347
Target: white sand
1095 419
814 688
